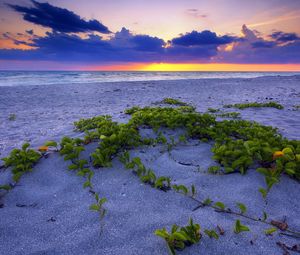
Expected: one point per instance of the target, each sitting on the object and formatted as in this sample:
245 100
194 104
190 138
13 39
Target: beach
47 212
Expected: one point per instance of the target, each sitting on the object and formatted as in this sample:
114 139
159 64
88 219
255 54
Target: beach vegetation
255 105
233 115
132 110
242 207
173 101
212 110
98 206
220 206
163 183
239 227
270 231
6 187
52 144
211 233
21 160
180 189
180 237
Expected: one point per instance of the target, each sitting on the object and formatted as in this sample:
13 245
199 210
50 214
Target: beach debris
221 230
286 248
280 225
24 205
52 219
12 117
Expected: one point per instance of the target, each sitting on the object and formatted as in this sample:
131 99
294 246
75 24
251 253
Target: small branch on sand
279 225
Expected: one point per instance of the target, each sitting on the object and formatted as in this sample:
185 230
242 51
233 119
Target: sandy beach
47 212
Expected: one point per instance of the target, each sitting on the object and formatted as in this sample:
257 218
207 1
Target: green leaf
94 207
73 167
179 236
87 184
162 233
220 205
193 190
270 231
263 192
51 143
102 201
25 146
207 201
238 228
211 233
242 207
265 216
5 187
17 176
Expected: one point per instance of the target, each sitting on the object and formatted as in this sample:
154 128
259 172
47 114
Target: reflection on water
17 78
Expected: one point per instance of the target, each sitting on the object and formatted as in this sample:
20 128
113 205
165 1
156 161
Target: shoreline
294 76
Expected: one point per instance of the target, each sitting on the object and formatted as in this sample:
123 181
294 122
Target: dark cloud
30 32
263 44
58 19
147 43
254 49
284 37
124 46
205 37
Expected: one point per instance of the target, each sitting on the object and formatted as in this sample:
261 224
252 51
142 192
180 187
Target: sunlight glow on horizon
207 67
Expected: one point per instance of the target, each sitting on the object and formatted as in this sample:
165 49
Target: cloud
122 46
195 13
255 49
58 19
205 37
280 36
126 39
30 32
263 44
125 46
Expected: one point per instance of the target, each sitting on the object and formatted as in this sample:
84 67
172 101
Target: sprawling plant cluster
113 137
238 143
180 237
21 160
256 105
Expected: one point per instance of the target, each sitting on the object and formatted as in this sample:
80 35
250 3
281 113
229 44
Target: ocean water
27 78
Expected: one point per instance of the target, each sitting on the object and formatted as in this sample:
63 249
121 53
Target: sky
169 35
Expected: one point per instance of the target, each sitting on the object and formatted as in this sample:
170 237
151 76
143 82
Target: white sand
135 210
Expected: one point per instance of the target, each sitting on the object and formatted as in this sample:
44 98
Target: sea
28 78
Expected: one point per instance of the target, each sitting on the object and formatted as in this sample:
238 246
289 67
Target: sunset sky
169 35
